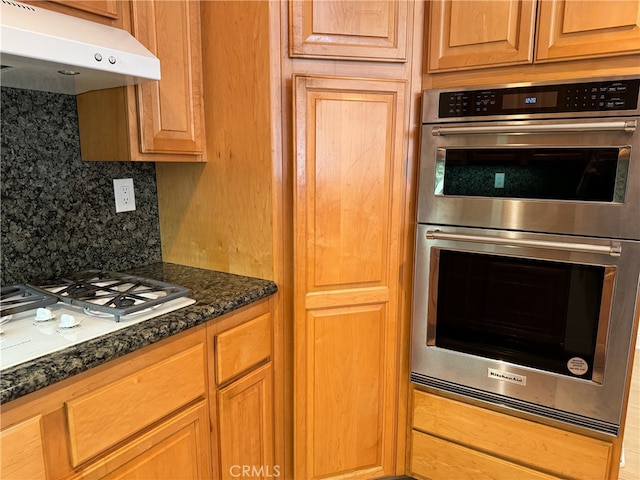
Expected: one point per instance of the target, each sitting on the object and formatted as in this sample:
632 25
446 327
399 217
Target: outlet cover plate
125 196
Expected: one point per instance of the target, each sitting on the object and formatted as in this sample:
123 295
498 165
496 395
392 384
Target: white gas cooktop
24 338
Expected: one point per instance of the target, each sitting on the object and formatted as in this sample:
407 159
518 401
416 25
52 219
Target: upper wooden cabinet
570 29
153 121
483 33
476 33
349 29
108 12
103 8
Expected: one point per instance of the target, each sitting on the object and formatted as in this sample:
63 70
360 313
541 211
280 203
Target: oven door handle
605 126
613 250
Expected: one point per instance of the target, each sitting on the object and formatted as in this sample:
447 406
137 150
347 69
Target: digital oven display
530 100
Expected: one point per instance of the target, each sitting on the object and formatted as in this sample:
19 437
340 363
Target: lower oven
537 322
527 264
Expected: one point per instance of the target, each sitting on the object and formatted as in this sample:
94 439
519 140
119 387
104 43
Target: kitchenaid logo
507 377
253 471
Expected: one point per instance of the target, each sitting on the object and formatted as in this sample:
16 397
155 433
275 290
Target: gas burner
112 293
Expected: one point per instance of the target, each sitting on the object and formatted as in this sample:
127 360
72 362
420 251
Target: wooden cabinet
348 199
466 34
145 415
471 33
154 121
196 403
241 384
572 29
103 8
107 12
21 450
176 448
451 439
349 29
134 402
245 427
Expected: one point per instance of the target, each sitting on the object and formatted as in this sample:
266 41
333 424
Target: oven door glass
541 314
578 174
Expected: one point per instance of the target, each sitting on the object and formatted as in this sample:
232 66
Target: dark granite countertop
216 293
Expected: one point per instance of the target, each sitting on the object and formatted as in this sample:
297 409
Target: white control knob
43 315
67 321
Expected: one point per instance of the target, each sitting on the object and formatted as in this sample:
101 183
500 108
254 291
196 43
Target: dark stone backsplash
58 212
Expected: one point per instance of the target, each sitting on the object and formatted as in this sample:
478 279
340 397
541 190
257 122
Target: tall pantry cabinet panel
349 152
349 29
154 121
472 34
569 29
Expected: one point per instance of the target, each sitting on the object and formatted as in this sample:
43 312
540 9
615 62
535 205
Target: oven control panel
574 97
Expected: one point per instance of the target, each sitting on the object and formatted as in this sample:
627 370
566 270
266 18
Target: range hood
53 52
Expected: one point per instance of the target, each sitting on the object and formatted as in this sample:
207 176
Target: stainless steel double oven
527 262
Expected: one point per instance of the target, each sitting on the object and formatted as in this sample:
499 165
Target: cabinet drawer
522 441
106 416
438 459
242 347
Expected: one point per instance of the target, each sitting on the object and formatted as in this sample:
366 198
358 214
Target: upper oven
540 158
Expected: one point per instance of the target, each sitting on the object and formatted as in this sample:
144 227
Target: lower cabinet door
245 427
21 451
178 448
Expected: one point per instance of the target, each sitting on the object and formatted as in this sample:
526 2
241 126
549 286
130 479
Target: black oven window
582 174
534 313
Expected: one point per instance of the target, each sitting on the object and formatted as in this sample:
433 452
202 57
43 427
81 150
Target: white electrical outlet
125 196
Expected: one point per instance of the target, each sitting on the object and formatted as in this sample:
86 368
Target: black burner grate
22 298
111 292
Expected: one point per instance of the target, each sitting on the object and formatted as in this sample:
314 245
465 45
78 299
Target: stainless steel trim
512 403
622 174
600 126
614 249
606 304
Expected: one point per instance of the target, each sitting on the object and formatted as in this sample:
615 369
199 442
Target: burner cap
124 302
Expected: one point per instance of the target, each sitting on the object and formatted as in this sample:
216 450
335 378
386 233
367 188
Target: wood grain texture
170 112
107 12
245 427
349 29
106 416
243 410
176 448
437 459
242 347
349 146
474 34
570 29
219 215
48 403
537 446
104 8
22 451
